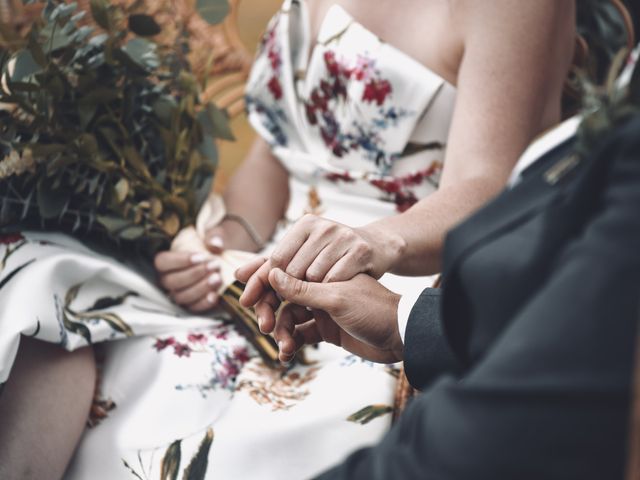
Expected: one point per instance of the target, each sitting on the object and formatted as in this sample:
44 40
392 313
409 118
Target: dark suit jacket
528 368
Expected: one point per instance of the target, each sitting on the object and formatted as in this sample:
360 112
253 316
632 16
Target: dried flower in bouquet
611 104
102 129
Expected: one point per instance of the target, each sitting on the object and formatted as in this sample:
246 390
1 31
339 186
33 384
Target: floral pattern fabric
353 109
186 396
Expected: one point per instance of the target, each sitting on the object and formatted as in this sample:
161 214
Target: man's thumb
295 290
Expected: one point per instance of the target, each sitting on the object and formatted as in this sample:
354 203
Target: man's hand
360 315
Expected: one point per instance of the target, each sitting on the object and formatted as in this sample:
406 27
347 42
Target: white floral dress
184 396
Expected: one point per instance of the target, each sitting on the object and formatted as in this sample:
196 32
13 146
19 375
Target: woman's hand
191 279
320 250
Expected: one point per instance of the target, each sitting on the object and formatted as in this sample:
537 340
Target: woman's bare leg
43 410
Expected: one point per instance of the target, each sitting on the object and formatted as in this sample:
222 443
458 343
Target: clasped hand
328 268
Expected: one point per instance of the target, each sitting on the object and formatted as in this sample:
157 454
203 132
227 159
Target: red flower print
340 177
311 114
275 88
182 350
388 186
221 334
274 58
197 338
331 63
162 344
376 91
404 201
10 238
241 354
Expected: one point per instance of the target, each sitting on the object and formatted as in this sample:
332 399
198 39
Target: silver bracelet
251 231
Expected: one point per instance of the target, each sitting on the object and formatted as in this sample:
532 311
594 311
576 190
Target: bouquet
103 133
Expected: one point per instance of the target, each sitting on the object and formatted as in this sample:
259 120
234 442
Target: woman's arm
514 60
258 192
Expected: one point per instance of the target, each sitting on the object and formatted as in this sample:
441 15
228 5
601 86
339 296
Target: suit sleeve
427 354
551 399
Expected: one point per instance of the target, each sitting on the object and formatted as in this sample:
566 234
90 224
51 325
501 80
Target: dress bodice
348 108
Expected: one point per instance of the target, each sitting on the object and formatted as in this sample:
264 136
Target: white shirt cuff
404 310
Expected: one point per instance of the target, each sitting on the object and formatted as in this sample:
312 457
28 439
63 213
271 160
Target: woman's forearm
258 192
422 229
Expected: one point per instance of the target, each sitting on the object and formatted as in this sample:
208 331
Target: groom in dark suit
526 353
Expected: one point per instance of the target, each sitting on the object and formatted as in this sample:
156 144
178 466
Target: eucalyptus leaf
213 11
132 233
50 201
112 223
100 13
25 66
142 52
117 146
215 122
208 150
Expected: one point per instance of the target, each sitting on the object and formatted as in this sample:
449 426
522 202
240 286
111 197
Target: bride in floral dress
353 129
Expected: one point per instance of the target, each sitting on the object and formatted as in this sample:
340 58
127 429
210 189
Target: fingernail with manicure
213 265
215 279
216 242
211 298
198 258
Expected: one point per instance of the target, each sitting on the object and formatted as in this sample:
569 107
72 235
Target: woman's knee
43 409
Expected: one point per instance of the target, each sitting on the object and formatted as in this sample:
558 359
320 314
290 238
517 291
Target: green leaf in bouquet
113 224
213 11
86 112
189 83
51 202
55 86
87 144
25 66
100 13
164 108
209 151
62 12
215 122
132 233
134 159
143 25
54 38
36 50
141 53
